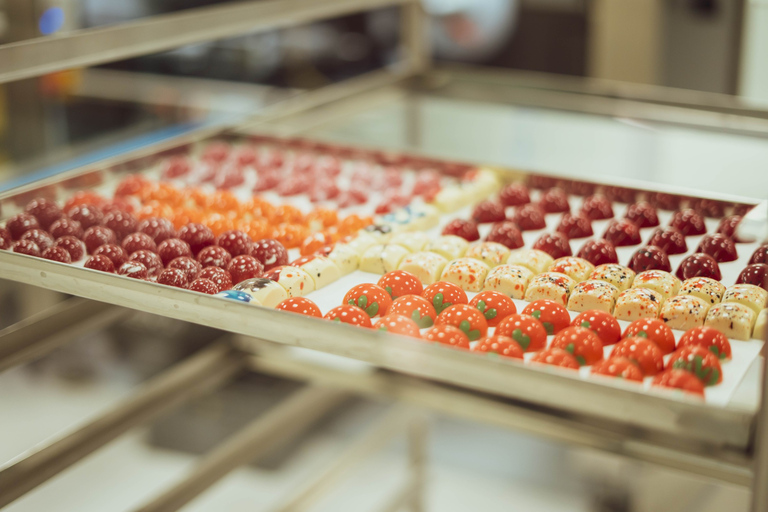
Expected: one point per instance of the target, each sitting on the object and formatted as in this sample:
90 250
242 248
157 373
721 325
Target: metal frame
203 372
395 421
94 46
200 373
604 98
54 327
760 449
723 465
617 402
284 421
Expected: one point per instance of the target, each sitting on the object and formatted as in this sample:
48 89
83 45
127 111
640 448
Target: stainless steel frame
277 360
38 334
621 403
723 443
94 46
293 415
204 371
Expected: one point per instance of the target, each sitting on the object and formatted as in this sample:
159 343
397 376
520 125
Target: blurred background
713 50
717 46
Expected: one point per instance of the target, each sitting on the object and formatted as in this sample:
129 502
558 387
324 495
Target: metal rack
728 444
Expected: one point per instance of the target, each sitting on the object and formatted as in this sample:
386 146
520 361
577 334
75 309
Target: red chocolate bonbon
20 224
100 263
598 252
74 246
44 210
64 226
719 246
649 258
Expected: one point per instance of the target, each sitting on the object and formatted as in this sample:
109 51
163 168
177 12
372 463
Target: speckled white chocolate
468 273
511 280
637 303
483 184
750 295
414 242
296 281
593 294
577 269
732 319
550 286
361 242
322 271
266 292
535 260
427 266
380 259
449 247
761 325
345 257
427 217
618 275
491 253
705 288
453 197
684 312
659 281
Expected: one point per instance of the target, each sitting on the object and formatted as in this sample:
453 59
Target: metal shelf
89 47
620 402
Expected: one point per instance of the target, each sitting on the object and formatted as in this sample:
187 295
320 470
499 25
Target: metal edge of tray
332 114
302 101
671 413
612 89
505 172
666 450
449 84
209 133
349 91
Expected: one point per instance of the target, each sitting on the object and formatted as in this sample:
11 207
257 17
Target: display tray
688 417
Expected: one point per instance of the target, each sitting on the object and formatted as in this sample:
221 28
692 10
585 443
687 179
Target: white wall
754 66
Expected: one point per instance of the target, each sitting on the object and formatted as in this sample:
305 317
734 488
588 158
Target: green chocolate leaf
490 313
372 310
422 321
549 327
437 301
523 339
472 334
